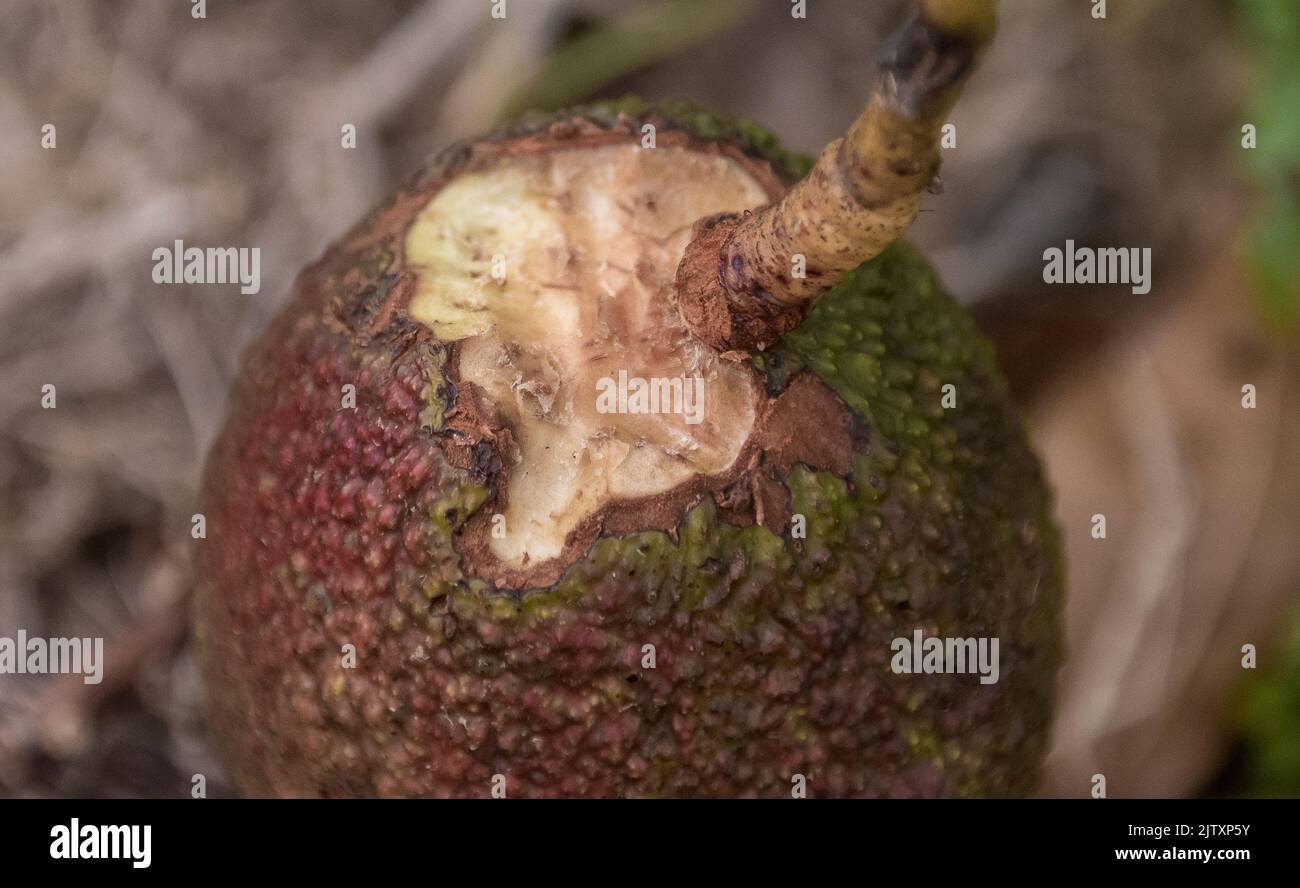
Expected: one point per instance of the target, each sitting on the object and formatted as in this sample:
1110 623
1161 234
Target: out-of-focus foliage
581 66
1270 718
1273 30
1270 707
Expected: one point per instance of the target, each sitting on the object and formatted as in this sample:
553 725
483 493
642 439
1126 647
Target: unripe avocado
465 578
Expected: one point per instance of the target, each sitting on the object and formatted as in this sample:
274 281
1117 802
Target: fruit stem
746 280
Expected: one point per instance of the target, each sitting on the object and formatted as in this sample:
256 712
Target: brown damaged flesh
496 410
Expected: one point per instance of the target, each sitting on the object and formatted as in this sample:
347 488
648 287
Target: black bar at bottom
374 839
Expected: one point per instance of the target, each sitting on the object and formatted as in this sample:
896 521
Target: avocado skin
330 528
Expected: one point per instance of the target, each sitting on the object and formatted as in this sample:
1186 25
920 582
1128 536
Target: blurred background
1122 131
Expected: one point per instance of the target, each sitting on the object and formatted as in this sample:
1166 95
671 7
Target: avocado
436 567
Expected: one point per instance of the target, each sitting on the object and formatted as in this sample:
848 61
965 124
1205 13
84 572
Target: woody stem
746 280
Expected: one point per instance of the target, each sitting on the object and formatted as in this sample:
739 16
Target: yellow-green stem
744 281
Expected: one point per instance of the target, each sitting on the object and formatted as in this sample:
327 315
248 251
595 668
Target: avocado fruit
436 567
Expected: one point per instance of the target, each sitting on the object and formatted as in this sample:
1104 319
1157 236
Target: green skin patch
714 660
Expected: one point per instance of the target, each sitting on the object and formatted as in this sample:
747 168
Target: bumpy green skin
331 527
